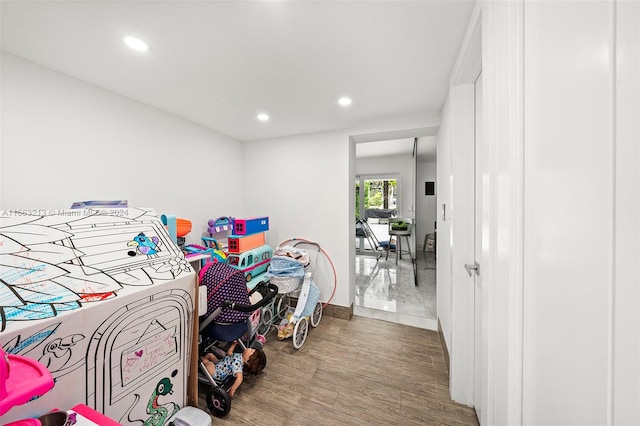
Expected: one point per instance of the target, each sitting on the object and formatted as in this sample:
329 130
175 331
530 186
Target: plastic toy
231 316
193 250
250 226
86 415
54 418
190 416
242 243
218 255
183 227
21 380
252 262
221 224
220 229
25 422
296 269
255 280
176 227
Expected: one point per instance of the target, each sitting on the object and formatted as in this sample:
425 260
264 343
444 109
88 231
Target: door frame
480 189
462 99
494 42
503 256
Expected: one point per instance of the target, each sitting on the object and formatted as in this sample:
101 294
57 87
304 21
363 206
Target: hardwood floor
358 372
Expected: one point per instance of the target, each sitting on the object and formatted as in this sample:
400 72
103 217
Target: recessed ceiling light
136 44
344 101
263 117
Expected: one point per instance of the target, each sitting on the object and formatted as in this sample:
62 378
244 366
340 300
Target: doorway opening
385 189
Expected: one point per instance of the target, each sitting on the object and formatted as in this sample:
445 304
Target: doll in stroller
228 332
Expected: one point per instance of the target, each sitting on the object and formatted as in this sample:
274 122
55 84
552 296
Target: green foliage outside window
373 195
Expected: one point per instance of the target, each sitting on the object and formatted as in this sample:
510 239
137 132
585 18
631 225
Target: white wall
426 205
577 108
625 348
303 184
306 184
443 217
64 140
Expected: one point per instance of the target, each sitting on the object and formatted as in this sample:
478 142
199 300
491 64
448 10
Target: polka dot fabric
225 283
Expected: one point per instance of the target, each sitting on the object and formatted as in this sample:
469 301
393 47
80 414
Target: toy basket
286 284
285 272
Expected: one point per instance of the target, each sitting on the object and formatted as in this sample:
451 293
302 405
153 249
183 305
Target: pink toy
88 414
21 379
25 422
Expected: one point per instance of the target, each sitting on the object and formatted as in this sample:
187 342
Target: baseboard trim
341 312
443 342
334 311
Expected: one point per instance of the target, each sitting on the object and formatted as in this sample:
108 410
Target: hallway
351 372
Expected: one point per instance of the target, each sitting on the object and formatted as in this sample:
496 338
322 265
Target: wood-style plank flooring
358 372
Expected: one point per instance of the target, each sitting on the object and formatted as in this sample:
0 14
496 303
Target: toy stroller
230 317
294 274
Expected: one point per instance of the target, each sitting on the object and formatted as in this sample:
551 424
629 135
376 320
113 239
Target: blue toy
250 226
217 254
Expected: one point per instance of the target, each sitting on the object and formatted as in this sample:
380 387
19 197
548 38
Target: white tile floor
388 292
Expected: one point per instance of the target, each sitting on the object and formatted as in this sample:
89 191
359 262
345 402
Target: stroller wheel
218 401
300 332
317 314
266 321
283 305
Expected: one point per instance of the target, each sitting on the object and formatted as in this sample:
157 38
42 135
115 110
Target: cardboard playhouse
104 299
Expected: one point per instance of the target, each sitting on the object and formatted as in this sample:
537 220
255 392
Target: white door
479 370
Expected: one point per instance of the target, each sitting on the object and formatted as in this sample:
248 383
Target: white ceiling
219 63
426 151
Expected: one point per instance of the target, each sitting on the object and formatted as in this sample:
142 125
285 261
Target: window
376 193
